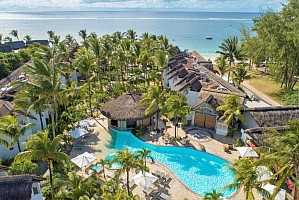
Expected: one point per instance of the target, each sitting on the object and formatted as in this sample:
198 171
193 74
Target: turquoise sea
188 30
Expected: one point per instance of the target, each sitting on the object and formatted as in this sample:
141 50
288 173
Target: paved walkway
262 96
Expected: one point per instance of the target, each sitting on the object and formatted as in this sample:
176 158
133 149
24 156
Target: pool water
114 165
200 171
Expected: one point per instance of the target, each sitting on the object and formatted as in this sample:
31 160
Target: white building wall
166 81
250 121
36 192
5 152
37 121
192 97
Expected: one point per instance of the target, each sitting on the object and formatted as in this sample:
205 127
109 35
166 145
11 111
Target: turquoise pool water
113 166
200 171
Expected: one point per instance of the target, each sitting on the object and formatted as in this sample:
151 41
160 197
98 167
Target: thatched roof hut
126 108
274 116
16 187
260 134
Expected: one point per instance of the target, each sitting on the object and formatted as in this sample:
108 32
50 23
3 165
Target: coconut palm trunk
53 120
19 146
51 178
41 120
128 178
89 98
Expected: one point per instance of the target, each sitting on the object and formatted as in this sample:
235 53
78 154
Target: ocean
188 30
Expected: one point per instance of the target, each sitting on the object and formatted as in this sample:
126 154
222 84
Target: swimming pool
200 171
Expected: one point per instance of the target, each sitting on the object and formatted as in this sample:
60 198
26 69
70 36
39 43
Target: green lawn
266 85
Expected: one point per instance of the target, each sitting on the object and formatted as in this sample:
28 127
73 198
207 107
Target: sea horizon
186 29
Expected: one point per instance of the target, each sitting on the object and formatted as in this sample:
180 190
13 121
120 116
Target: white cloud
202 5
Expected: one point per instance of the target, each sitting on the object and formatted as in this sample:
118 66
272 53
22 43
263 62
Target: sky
193 5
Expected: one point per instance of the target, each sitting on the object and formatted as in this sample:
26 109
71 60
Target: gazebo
125 112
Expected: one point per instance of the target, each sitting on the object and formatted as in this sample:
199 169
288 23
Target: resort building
194 77
125 112
260 120
25 187
6 108
12 46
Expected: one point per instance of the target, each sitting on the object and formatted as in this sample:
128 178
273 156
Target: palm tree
83 34
69 40
127 160
240 74
161 61
8 39
103 163
214 195
45 81
51 34
152 98
177 108
27 100
27 38
282 155
143 154
131 35
230 50
15 34
232 109
77 187
41 148
85 62
221 66
10 127
246 176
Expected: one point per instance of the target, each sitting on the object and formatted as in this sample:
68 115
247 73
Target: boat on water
209 38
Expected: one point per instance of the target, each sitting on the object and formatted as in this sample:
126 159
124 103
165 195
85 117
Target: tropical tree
153 99
45 75
40 147
221 66
15 34
77 187
10 127
177 108
51 34
27 38
131 35
69 40
246 176
214 195
8 39
161 61
232 109
27 100
240 74
83 34
231 51
143 154
103 162
281 155
127 160
85 62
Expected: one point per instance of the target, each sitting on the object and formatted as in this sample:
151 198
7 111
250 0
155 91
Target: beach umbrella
281 195
86 122
78 132
263 173
84 160
247 152
144 180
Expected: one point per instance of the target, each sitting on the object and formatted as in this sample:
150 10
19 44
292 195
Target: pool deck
209 142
